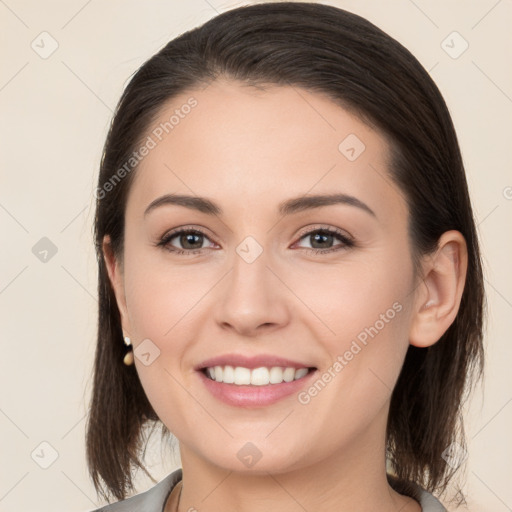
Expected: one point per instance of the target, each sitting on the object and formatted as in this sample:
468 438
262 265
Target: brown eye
190 240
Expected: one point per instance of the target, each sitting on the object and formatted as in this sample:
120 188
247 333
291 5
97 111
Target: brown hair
331 51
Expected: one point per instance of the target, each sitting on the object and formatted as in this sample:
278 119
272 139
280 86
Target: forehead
242 144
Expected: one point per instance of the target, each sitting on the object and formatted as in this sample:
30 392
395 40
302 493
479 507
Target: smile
257 387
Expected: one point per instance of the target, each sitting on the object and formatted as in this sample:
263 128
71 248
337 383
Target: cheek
352 295
161 295
164 301
366 307
160 308
366 356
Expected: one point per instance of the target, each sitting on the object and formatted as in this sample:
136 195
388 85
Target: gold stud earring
128 358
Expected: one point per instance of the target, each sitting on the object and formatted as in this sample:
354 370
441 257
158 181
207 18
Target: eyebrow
288 207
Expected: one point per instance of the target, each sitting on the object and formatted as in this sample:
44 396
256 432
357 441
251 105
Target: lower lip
254 396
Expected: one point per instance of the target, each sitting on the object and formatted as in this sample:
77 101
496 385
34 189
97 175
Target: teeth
256 377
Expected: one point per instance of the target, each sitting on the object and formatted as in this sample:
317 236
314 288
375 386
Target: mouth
258 387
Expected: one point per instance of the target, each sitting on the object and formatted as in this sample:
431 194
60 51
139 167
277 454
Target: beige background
55 113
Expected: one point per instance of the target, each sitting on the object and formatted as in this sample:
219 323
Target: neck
353 478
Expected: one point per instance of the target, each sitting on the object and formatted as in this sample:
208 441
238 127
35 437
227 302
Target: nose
252 300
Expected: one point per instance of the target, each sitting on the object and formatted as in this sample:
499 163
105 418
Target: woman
287 247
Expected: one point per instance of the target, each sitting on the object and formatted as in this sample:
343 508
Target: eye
322 240
191 241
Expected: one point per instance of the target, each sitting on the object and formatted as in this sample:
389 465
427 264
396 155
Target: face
322 285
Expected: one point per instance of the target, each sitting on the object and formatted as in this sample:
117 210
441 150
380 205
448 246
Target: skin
248 149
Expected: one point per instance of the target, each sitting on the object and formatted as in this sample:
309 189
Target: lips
251 362
254 396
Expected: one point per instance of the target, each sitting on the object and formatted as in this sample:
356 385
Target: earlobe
438 299
116 280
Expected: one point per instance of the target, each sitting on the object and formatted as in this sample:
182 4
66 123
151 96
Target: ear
115 274
438 297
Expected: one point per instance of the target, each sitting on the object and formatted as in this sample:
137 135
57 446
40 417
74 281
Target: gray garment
154 499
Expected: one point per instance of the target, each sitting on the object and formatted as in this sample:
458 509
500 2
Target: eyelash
346 241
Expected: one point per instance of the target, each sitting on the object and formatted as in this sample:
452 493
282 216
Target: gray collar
428 502
154 499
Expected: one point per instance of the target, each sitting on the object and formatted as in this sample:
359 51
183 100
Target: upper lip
251 362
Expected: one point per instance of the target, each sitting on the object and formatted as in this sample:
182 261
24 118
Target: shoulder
427 501
152 500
